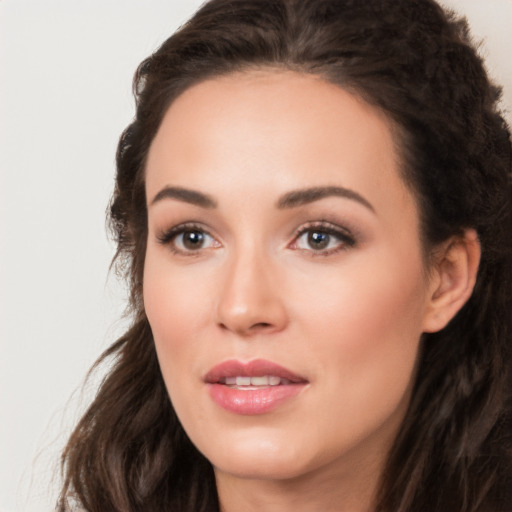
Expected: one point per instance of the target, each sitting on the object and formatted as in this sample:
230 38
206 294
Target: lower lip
252 401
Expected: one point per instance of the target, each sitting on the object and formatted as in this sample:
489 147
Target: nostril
261 325
248 329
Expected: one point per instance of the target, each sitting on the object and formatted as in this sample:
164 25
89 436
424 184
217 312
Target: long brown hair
416 63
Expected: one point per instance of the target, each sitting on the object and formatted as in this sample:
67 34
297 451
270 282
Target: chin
261 468
260 458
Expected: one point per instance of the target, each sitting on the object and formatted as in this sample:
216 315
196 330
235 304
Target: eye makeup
187 239
318 238
323 238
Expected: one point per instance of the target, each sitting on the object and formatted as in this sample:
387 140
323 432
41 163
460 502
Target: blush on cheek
374 325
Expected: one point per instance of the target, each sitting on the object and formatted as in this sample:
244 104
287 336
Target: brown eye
318 240
192 240
322 239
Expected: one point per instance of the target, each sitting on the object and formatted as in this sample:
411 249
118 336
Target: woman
314 211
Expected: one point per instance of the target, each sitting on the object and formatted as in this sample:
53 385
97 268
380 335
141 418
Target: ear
452 279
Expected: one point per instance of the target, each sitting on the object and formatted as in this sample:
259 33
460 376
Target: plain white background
65 96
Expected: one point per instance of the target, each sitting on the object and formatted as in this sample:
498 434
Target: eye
188 239
192 240
322 239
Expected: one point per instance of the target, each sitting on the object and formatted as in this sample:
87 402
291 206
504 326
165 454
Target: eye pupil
193 239
318 240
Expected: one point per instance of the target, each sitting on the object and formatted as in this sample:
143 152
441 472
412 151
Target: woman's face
284 280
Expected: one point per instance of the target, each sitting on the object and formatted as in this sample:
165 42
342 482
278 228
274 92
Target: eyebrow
309 195
186 195
291 199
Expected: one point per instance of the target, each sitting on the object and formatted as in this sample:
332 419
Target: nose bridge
249 300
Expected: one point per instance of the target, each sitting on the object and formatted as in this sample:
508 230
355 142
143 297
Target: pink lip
252 401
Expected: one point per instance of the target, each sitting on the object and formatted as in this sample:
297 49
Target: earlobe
453 279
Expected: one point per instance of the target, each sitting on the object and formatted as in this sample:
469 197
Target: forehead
277 128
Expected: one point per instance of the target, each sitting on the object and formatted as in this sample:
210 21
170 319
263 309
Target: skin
347 318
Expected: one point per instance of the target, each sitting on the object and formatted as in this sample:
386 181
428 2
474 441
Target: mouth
242 382
255 373
256 387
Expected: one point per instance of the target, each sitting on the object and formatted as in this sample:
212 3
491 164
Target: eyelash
168 237
344 236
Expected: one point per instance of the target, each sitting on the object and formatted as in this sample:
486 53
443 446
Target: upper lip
254 368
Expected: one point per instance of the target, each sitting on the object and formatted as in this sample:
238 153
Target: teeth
263 380
259 381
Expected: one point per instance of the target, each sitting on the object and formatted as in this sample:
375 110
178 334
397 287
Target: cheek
373 299
366 327
177 304
171 292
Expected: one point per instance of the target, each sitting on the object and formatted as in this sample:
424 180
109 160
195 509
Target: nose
250 301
